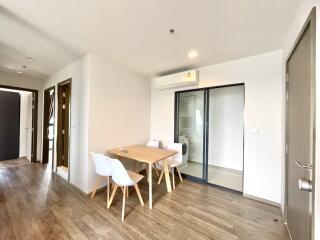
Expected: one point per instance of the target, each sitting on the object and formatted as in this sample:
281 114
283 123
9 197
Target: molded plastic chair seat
123 178
173 162
103 168
136 177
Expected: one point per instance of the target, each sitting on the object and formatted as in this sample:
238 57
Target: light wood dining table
148 155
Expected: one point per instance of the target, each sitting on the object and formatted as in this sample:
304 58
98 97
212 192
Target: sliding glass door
225 137
190 121
209 124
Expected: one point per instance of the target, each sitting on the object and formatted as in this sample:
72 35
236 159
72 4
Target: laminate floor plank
37 204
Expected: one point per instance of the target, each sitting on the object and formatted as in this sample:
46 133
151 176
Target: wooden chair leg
173 183
96 185
127 191
138 168
161 175
115 187
139 194
123 203
179 173
155 167
108 189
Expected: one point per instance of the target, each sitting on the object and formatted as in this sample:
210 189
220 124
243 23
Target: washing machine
183 139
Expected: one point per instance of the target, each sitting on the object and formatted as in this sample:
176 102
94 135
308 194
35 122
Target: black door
9 125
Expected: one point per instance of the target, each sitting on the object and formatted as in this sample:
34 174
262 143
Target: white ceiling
136 33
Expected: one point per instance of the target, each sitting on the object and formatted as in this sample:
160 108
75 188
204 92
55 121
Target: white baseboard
262 200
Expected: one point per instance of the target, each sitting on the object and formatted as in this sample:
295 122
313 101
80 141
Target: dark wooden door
34 134
64 94
48 125
9 125
300 135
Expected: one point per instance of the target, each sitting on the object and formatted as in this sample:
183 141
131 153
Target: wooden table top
143 153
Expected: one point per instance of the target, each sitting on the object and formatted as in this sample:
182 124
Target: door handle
306 166
305 185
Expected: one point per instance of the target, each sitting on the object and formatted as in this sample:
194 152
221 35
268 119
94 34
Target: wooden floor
37 205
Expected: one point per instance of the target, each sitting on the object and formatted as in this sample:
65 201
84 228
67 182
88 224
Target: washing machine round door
184 149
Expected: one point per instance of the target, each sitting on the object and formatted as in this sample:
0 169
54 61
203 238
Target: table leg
150 185
166 174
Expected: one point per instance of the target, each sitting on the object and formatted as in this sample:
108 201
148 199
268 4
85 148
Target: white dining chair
173 162
103 169
123 178
155 144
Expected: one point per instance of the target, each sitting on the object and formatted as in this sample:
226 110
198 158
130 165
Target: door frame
310 22
44 125
205 153
67 81
34 138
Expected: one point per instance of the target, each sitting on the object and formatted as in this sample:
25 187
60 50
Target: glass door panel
225 137
190 131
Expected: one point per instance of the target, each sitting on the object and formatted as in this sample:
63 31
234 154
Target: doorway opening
18 123
63 133
209 123
48 126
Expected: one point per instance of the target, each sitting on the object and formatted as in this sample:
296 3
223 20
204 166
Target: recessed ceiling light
192 54
19 72
30 58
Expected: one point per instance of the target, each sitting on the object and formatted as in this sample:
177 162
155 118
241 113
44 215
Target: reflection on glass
51 126
225 146
191 120
50 132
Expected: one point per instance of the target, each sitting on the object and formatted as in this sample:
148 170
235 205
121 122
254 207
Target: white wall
15 80
79 72
119 108
262 75
110 106
226 116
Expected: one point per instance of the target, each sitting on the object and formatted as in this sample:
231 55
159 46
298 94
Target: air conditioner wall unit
182 79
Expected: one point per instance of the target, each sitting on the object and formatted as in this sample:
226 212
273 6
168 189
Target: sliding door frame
205 152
